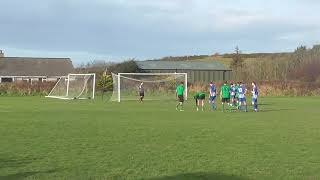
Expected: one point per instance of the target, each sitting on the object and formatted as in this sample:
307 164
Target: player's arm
177 93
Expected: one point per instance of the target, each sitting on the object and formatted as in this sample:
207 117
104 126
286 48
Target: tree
105 83
237 63
299 56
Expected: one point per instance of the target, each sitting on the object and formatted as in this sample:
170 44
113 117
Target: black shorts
141 94
181 98
225 100
201 97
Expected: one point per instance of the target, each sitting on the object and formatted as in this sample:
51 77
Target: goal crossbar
123 75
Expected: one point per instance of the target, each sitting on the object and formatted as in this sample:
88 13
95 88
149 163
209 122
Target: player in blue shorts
233 94
255 94
242 97
213 95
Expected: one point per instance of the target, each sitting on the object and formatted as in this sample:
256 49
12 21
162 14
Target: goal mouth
66 98
155 86
74 86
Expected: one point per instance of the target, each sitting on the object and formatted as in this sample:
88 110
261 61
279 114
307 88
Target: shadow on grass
275 110
199 176
16 163
266 104
13 162
23 175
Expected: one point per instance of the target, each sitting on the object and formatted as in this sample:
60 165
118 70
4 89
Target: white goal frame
152 74
68 82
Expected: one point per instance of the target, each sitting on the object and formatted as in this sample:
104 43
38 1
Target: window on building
6 80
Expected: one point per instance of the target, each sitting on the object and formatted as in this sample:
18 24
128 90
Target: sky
115 30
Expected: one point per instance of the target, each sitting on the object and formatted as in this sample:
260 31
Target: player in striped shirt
213 95
242 97
233 94
255 94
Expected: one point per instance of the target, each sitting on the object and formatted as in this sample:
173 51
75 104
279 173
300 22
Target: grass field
51 139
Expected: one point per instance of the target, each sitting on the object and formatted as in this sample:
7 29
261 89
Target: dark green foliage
99 67
105 83
124 67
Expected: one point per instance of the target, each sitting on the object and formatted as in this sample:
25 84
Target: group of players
232 95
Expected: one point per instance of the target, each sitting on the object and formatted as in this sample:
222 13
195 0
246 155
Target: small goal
74 86
157 86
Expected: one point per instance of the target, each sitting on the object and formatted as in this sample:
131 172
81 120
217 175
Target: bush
26 89
124 67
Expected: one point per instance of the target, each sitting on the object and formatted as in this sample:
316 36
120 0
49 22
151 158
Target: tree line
303 65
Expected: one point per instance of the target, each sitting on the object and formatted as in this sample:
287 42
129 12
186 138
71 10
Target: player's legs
181 100
233 101
202 105
202 99
230 104
245 104
240 103
237 103
212 102
255 104
178 104
223 100
141 96
197 104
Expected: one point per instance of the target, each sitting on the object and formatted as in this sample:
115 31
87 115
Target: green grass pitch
55 139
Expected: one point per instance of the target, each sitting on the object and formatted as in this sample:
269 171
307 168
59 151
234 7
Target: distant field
51 139
224 61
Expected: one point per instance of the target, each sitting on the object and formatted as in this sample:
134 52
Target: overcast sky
117 29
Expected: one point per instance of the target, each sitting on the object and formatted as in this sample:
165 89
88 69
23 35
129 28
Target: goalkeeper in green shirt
200 97
225 95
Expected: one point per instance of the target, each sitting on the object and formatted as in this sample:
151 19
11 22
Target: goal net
74 86
157 86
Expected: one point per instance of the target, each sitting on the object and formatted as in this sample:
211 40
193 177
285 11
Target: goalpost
74 86
157 86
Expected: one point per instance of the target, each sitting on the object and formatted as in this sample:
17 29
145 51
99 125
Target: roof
181 65
26 66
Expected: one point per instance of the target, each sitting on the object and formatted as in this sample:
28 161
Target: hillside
226 59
